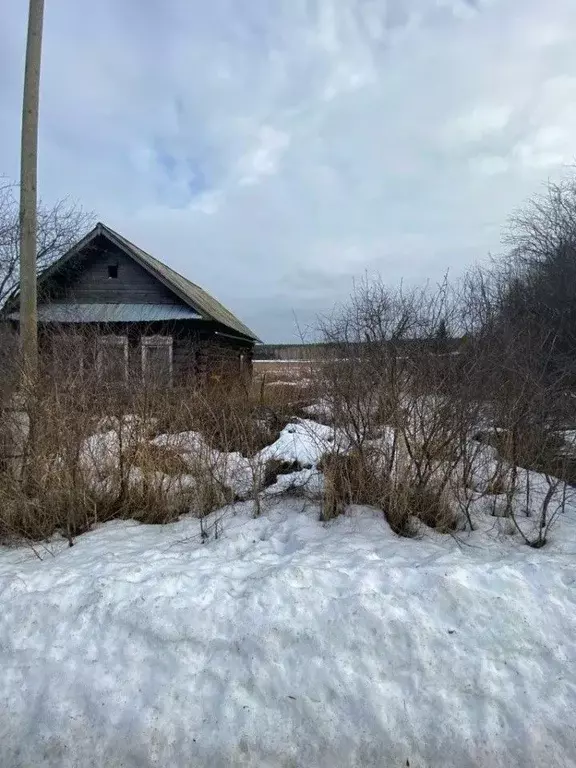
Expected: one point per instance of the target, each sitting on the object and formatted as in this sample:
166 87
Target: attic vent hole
113 271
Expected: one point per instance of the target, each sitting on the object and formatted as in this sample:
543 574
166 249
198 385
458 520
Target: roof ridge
200 299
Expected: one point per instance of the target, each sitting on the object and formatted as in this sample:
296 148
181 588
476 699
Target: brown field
285 382
284 371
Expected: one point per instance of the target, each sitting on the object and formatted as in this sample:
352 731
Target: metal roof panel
110 313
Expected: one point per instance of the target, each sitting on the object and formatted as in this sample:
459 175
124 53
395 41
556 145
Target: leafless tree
59 227
521 316
540 274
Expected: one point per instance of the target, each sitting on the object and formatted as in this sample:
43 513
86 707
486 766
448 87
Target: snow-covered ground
286 642
302 442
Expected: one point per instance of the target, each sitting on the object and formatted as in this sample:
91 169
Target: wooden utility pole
28 193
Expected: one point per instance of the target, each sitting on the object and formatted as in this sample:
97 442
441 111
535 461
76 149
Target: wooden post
28 193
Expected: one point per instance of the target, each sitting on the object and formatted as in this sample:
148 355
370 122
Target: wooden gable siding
86 280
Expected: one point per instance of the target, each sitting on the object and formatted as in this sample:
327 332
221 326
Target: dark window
113 270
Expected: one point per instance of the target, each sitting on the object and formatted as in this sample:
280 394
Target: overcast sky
274 150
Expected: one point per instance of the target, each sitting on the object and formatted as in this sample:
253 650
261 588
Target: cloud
264 158
490 165
482 121
273 152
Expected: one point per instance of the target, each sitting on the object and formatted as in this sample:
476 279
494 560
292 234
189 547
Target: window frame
76 339
112 340
157 341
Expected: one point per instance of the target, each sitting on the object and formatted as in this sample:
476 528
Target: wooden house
108 308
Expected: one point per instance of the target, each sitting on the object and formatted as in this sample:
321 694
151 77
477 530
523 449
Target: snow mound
304 442
286 642
230 469
184 442
321 409
100 454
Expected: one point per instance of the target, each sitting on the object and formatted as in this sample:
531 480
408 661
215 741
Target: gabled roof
190 293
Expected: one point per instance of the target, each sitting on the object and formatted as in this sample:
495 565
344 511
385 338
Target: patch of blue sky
183 177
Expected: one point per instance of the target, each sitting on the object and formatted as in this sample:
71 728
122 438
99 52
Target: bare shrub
45 488
345 482
398 401
350 479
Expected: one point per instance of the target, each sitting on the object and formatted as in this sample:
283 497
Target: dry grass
357 479
408 502
285 370
88 457
156 458
286 384
232 417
